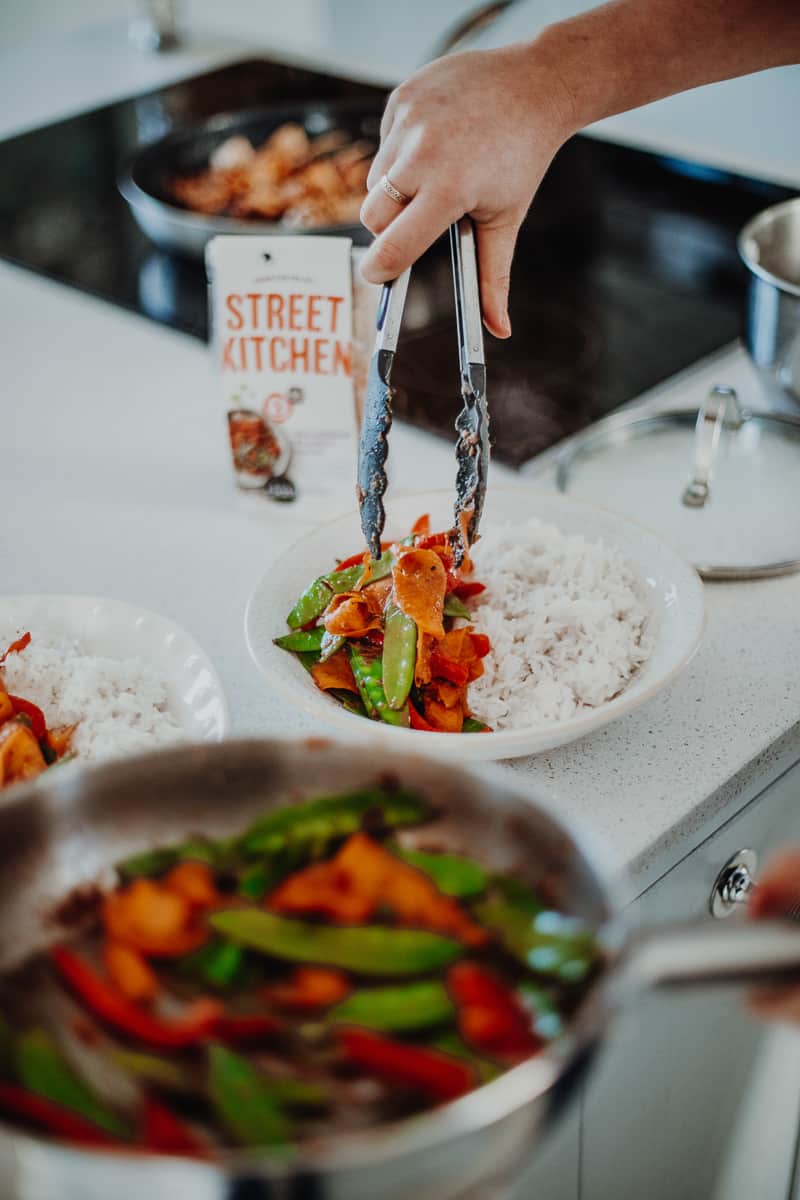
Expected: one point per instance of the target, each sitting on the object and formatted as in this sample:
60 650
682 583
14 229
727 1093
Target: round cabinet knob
734 883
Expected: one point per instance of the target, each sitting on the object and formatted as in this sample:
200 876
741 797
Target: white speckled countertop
114 481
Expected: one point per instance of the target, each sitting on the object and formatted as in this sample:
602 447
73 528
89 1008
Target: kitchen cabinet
671 1097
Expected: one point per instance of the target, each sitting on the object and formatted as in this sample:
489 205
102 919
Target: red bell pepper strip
417 721
490 1017
164 1133
436 1074
247 1028
355 559
465 589
480 644
352 561
374 637
34 714
46 1114
106 1003
16 646
446 668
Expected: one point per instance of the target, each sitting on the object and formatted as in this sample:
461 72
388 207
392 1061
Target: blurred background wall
750 125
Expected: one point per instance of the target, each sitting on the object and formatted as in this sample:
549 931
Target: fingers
379 209
382 159
409 235
778 891
495 251
776 1003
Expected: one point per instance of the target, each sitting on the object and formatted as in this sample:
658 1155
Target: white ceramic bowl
118 630
674 589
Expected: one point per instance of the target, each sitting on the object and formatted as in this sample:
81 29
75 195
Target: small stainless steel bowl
769 246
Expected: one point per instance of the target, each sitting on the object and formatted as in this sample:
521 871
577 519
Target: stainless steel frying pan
70 826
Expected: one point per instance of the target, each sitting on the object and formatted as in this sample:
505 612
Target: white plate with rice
589 616
131 679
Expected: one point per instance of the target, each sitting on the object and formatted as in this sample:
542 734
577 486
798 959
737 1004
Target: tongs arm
472 425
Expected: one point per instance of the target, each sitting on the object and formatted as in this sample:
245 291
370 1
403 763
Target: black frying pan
143 183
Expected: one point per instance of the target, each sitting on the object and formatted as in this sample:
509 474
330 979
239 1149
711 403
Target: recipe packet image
282 341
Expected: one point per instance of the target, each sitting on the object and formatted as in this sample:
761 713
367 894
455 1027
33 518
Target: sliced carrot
443 719
352 614
129 972
309 988
324 890
152 919
20 754
421 526
335 672
195 882
362 877
420 580
60 738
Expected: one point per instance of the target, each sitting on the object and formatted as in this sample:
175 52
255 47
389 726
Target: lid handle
720 407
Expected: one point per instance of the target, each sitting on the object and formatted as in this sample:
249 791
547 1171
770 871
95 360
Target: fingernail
505 324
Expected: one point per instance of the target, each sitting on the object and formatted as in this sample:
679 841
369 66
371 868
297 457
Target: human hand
778 895
473 133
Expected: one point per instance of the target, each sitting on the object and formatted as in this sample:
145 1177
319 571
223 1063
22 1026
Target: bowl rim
506 741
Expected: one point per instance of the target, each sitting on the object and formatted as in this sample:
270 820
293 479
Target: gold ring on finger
392 192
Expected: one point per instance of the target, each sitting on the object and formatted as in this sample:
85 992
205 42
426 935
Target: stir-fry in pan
323 971
290 178
390 639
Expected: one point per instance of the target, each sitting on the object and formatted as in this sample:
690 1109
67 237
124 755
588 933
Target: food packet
282 342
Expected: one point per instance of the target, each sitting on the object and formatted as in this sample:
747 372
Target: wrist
581 77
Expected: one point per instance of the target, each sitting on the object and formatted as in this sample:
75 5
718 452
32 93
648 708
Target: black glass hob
626 269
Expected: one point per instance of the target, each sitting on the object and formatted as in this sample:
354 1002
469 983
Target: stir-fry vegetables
326 969
390 640
27 745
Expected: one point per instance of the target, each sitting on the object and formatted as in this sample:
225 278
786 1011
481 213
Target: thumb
495 251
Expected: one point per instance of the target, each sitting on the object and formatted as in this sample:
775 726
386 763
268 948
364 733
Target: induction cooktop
626 269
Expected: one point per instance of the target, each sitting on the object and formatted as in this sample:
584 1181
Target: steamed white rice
120 705
568 623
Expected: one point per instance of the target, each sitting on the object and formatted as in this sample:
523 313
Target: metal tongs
472 424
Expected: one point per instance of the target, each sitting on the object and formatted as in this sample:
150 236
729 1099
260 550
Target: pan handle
708 952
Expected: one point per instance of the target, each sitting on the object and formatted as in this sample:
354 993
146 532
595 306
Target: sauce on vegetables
323 971
390 639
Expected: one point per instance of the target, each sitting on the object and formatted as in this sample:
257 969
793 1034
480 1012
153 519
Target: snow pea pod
403 1009
349 700
217 963
316 598
449 1042
330 644
302 639
549 943
41 1068
368 949
245 1101
453 874
455 607
156 862
399 655
303 829
367 672
473 725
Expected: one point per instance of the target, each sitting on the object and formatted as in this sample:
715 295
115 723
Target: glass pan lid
721 484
